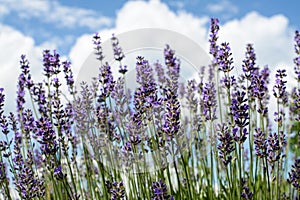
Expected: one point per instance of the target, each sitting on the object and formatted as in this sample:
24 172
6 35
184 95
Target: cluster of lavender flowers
96 141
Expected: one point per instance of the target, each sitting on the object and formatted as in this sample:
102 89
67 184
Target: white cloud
3 11
151 14
56 13
271 36
223 6
12 45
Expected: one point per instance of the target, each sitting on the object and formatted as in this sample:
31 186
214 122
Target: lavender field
214 137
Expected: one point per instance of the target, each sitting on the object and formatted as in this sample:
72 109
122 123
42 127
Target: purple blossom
106 81
26 182
26 72
3 174
295 107
127 147
275 147
21 94
106 122
39 96
46 136
98 47
246 193
211 73
213 37
2 99
51 63
3 121
279 89
145 95
69 76
118 52
239 109
260 142
239 134
173 65
160 73
28 123
249 62
117 191
226 145
58 174
209 101
224 58
294 175
172 115
135 139
228 82
160 191
259 87
122 99
191 98
297 59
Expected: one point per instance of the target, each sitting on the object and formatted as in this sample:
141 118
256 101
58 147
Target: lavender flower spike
160 192
98 47
249 63
118 53
209 101
297 59
117 191
226 146
213 37
294 175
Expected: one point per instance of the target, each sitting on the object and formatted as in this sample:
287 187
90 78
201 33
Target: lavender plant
106 141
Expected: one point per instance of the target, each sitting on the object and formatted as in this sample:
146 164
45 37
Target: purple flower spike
2 99
58 174
3 176
209 101
118 53
145 96
224 58
51 63
160 191
69 76
249 62
260 143
297 59
275 147
173 65
117 191
106 81
294 175
26 72
46 136
226 146
279 89
259 90
98 47
239 109
172 115
213 37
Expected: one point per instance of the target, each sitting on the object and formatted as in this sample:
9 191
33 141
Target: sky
30 26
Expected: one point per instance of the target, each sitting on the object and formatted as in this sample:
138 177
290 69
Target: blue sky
29 26
40 29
